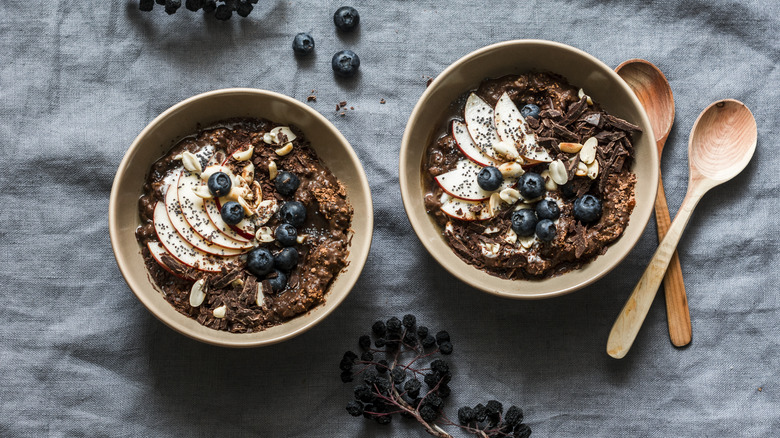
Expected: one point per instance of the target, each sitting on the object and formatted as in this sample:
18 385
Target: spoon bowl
653 90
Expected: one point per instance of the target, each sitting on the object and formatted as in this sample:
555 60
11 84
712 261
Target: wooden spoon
654 92
721 144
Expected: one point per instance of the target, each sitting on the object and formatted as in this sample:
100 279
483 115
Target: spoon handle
678 315
630 320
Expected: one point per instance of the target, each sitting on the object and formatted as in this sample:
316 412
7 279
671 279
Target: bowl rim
404 180
240 340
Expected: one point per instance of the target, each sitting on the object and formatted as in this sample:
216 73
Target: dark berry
146 5
350 355
513 417
410 321
412 387
531 185
443 391
232 212
303 44
494 409
370 376
442 336
259 262
446 348
368 408
587 209
365 342
346 376
219 184
345 63
286 235
382 385
367 356
422 331
545 230
379 328
355 408
347 361
428 341
524 222
431 379
384 419
346 18
440 366
398 374
428 413
380 342
193 5
381 366
171 6
293 213
209 6
244 8
279 282
394 325
160 2
547 209
410 339
530 110
434 400
286 259
465 415
364 394
480 413
223 13
522 431
287 183
490 178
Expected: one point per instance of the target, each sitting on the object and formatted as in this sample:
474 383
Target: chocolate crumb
311 98
382 101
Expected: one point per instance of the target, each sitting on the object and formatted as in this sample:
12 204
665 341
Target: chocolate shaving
224 280
563 132
621 124
551 113
580 242
574 111
592 119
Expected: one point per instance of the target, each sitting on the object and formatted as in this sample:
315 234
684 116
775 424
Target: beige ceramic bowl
184 119
515 57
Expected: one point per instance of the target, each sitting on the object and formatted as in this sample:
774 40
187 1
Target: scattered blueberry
219 184
490 178
587 209
524 222
303 44
547 209
346 18
244 8
232 212
286 235
279 282
287 183
259 262
545 230
345 63
286 259
293 213
223 13
171 6
530 110
146 5
531 185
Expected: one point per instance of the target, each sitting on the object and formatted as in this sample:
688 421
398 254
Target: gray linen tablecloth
80 356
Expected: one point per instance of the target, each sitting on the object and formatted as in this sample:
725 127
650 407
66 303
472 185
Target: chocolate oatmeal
243 227
531 178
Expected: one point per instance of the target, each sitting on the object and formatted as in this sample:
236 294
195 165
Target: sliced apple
244 230
480 122
193 209
158 253
179 248
466 144
462 182
512 127
463 210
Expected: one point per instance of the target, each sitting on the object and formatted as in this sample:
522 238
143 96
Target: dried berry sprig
222 9
403 355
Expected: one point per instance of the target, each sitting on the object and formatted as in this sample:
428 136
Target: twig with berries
222 9
392 371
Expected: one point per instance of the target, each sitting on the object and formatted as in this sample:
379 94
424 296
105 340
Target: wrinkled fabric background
80 356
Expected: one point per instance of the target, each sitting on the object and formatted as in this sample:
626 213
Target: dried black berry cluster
402 374
222 9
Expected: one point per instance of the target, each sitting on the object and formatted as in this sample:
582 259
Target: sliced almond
197 293
236 192
593 170
202 192
191 162
265 210
491 230
506 149
588 152
490 250
260 299
244 155
527 241
494 203
511 169
245 205
220 311
177 157
532 200
509 195
272 170
558 172
522 206
549 184
269 138
238 282
248 173
511 236
302 238
264 234
587 98
283 131
571 148
286 149
582 169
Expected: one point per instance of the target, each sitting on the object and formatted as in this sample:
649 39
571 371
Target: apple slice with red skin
480 122
461 209
462 182
158 252
512 127
244 229
466 145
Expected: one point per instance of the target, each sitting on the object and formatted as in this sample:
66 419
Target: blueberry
171 6
287 183
547 209
146 5
244 8
286 259
259 262
219 184
286 235
490 178
223 12
345 63
524 222
531 185
587 209
346 18
232 212
293 213
279 282
530 110
303 44
545 230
